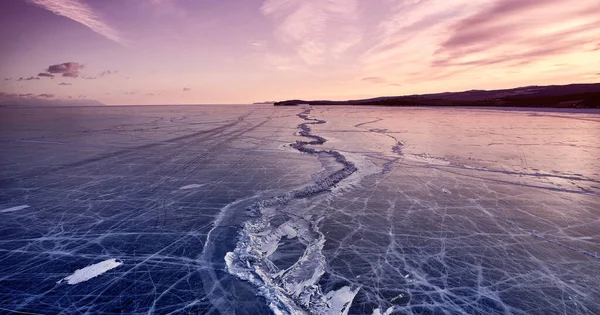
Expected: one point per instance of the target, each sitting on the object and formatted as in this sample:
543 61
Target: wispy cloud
436 40
81 13
258 44
186 89
44 74
168 7
317 30
374 80
64 83
107 73
520 32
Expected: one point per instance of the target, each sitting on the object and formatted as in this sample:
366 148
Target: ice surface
92 271
290 210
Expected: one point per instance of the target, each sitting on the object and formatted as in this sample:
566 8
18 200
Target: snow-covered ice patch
389 311
425 158
469 167
192 186
92 271
13 209
364 168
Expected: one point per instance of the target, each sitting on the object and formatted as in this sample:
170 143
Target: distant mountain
556 96
11 99
264 103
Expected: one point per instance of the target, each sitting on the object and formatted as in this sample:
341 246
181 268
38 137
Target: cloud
28 79
258 44
186 89
67 69
44 95
4 96
374 80
89 78
107 72
423 43
150 94
44 74
520 32
81 13
169 7
64 83
7 79
317 30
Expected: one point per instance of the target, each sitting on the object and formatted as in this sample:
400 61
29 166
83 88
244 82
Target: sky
243 51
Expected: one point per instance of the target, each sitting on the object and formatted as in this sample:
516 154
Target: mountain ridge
583 95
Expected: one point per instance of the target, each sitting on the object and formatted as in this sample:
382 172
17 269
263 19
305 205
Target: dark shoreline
565 96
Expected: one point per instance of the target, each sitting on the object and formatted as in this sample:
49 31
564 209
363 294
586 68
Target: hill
553 96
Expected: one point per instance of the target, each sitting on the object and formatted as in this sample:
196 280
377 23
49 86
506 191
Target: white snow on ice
192 186
389 311
92 271
12 209
425 158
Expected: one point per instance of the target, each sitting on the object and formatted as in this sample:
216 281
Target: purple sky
225 51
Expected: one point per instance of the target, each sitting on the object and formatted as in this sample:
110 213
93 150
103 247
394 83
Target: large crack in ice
293 290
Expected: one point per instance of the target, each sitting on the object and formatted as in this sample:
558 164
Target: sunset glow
198 51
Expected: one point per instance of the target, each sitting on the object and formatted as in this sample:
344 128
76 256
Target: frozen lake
292 210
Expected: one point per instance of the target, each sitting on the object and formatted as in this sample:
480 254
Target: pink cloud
67 69
519 32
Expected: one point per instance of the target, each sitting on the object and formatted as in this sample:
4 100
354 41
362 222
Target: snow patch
426 158
389 311
92 271
364 167
13 209
469 167
192 186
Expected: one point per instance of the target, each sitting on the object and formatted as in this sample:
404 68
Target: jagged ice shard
299 210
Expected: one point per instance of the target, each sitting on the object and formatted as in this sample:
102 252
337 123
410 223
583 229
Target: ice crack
294 290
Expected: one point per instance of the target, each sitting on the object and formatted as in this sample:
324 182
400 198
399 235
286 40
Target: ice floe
92 271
